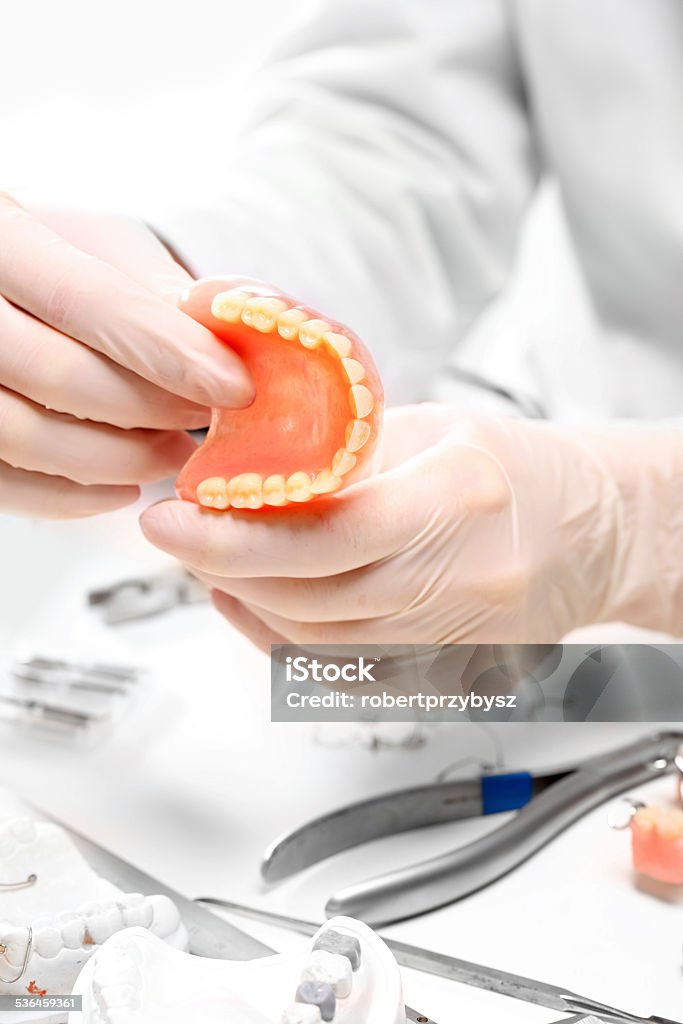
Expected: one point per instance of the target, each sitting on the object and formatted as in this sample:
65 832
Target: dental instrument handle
384 815
490 979
41 663
609 1013
440 880
27 675
515 986
50 712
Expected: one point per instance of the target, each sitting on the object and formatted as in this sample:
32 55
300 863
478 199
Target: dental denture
316 417
55 911
346 975
657 844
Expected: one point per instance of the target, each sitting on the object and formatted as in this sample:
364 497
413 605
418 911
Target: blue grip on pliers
506 792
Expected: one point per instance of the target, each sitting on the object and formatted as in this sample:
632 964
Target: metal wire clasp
678 767
622 812
27 957
11 886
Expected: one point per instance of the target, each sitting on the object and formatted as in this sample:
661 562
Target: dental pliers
548 802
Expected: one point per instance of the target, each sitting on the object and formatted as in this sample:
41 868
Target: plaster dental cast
55 911
383 184
345 974
63 928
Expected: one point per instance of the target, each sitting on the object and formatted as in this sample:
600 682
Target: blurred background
126 104
135 107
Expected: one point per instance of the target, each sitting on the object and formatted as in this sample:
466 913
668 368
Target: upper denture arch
307 369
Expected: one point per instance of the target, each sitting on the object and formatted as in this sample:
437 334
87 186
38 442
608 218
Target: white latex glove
99 372
479 530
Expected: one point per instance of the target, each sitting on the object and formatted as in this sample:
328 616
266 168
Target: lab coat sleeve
382 177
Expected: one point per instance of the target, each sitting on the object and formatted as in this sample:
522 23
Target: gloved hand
99 372
479 530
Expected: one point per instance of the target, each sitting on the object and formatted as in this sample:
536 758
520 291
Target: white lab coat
390 165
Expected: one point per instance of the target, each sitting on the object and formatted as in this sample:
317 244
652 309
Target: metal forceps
144 596
548 802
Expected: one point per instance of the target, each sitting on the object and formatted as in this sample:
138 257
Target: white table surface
198 781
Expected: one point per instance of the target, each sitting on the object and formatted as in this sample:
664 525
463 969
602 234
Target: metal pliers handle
547 802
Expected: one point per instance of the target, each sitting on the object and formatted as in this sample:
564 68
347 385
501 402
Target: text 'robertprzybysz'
387 701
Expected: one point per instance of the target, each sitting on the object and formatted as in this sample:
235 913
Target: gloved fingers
61 374
362 593
372 522
87 299
53 497
122 242
389 629
36 439
249 624
454 622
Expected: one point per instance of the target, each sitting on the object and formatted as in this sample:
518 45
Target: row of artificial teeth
327 977
668 824
91 925
249 490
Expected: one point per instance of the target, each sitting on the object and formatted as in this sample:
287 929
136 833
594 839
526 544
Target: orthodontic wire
27 957
10 886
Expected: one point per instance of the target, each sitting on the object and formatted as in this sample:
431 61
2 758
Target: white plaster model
70 909
136 979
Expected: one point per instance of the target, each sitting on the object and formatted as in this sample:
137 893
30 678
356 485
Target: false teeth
337 345
330 968
354 371
657 844
262 313
228 305
327 463
289 322
72 927
137 912
357 435
135 977
311 332
320 994
70 909
336 942
361 400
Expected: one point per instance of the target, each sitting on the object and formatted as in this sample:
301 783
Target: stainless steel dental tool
550 801
141 597
39 710
56 672
66 698
490 979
